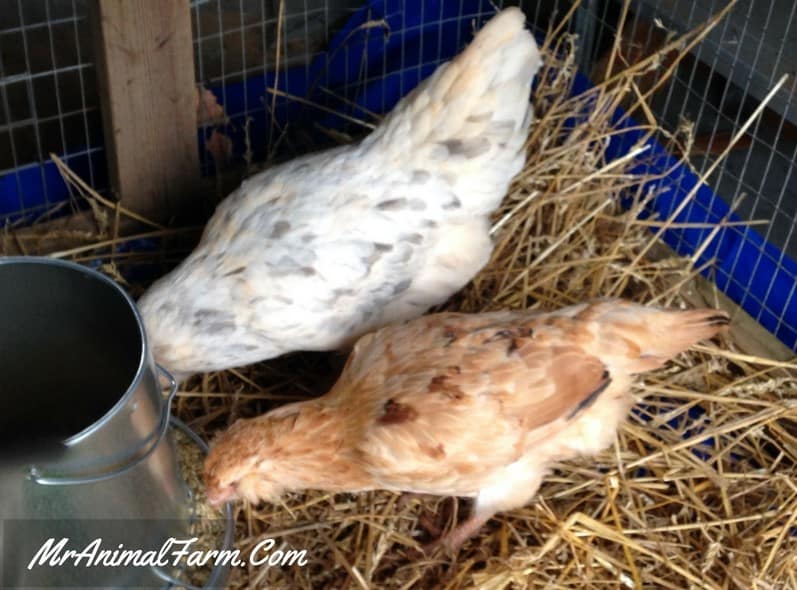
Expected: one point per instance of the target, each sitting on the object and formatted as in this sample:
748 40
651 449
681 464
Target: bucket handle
173 581
36 477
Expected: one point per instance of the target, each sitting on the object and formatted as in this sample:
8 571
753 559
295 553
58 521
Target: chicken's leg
453 540
513 489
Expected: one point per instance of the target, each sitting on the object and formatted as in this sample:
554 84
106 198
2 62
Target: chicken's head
170 329
245 462
191 325
245 481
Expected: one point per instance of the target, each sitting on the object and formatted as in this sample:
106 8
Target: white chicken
313 253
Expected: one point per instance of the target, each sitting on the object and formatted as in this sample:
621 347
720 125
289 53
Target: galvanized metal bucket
85 447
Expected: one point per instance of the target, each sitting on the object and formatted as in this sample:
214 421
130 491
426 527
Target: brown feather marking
396 413
453 333
719 320
442 384
514 335
500 335
436 452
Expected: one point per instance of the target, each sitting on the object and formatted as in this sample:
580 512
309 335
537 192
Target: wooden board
145 71
749 336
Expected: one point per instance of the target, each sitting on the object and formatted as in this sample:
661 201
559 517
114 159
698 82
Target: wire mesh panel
290 75
240 48
48 103
712 95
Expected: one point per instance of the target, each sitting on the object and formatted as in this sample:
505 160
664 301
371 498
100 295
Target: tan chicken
313 253
463 405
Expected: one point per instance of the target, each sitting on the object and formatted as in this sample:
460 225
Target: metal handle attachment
40 479
220 571
173 581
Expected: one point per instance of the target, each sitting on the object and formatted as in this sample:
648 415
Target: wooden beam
145 71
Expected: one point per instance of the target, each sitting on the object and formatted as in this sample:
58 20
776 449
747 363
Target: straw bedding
700 489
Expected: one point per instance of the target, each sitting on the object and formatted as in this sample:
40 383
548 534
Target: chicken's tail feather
657 335
677 331
470 119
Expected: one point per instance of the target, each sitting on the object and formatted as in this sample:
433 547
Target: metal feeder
85 447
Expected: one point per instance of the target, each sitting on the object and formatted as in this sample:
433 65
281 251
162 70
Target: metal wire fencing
291 60
48 103
712 94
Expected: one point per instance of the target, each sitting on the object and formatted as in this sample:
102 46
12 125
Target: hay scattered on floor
698 492
206 525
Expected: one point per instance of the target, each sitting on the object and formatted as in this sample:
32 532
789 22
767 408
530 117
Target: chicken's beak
217 497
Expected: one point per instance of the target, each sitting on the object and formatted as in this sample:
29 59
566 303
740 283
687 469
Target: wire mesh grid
48 104
243 42
713 93
237 40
